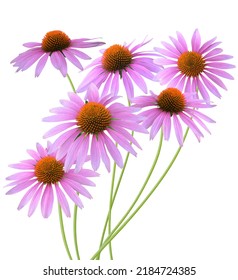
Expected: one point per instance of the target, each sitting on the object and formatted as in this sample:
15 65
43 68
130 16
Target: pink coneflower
121 62
43 177
95 125
198 69
172 105
59 47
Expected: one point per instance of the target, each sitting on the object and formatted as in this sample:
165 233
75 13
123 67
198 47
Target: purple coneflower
172 105
43 176
121 62
59 47
198 69
93 127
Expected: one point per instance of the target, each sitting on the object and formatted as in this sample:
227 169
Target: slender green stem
144 184
115 194
114 197
110 208
63 232
75 207
119 227
71 83
75 231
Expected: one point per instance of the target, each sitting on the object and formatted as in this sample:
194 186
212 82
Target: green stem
115 194
119 227
63 232
110 209
71 83
140 192
75 231
75 207
114 197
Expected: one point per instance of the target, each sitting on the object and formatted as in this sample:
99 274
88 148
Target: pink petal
70 56
82 153
196 41
92 94
95 153
128 85
103 153
113 150
157 125
138 80
47 201
167 126
28 195
68 189
62 200
35 200
41 64
178 129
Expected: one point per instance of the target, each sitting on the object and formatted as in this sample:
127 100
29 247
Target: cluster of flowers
95 126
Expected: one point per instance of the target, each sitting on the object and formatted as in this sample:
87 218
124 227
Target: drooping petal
112 149
191 125
138 80
72 194
178 129
156 125
95 153
71 57
128 85
62 200
41 64
104 154
47 201
59 62
35 201
167 126
121 141
28 196
82 153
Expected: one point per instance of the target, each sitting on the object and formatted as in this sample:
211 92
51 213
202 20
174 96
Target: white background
191 220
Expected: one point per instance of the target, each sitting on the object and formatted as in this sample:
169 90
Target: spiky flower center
171 100
48 170
116 58
93 118
55 41
191 64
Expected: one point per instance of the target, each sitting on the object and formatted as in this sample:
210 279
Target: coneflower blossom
93 127
172 106
43 177
197 69
121 62
57 46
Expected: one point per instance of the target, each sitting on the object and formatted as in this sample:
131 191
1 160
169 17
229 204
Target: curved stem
144 184
75 231
110 209
114 197
71 83
75 207
118 228
63 232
